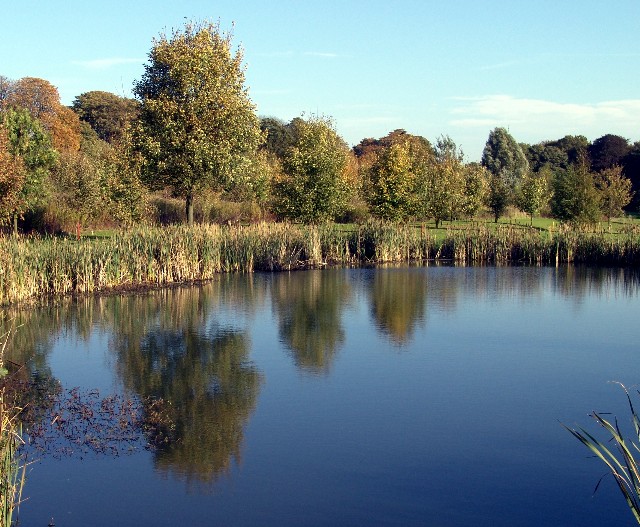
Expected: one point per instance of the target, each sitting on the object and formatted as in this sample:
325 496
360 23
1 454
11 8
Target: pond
389 396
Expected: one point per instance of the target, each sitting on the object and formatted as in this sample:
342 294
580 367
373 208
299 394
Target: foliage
30 146
575 197
608 151
504 158
498 196
622 461
12 470
279 136
615 191
476 188
12 176
533 193
313 187
197 127
41 99
108 114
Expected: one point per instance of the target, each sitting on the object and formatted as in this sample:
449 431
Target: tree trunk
189 209
15 224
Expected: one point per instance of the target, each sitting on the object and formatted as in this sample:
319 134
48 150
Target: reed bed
34 268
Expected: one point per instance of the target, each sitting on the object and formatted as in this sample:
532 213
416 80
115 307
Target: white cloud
103 64
537 119
320 54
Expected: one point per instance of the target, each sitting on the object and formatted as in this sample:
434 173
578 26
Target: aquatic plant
621 459
34 268
12 467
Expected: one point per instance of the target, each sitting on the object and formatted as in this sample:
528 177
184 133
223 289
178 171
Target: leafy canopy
197 127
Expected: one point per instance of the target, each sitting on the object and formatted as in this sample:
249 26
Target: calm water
400 396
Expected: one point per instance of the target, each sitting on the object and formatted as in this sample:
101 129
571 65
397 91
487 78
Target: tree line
192 133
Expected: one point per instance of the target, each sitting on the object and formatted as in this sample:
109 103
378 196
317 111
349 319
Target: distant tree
533 193
31 146
444 184
313 187
615 191
197 127
392 173
504 158
279 136
108 114
498 196
42 100
574 146
476 188
545 155
608 151
631 170
575 197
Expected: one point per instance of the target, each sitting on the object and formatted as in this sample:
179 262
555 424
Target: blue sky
543 69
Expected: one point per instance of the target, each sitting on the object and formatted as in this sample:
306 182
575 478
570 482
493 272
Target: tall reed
12 470
619 455
33 268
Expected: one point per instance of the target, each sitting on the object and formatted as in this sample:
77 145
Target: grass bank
34 268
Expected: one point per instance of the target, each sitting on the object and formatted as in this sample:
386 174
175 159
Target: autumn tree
313 187
108 114
42 100
197 127
615 191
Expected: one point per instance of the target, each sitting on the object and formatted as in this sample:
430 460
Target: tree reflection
398 300
309 308
168 347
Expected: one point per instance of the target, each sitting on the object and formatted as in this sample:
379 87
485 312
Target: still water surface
401 396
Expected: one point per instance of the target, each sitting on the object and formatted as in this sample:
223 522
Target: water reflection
172 348
192 346
398 302
309 308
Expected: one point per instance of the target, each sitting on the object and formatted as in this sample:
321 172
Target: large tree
197 127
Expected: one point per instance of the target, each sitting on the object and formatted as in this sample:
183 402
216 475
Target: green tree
397 180
476 188
443 182
108 114
608 151
533 193
12 175
197 127
31 144
503 157
575 197
615 191
313 187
